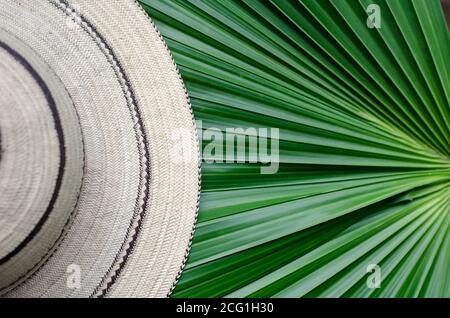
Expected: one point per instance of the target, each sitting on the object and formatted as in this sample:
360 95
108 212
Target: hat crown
41 161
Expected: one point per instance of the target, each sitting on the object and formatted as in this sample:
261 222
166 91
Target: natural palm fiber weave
104 185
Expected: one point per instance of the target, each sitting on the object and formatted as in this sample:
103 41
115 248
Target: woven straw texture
134 141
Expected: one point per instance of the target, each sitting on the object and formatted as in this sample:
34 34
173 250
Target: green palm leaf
364 174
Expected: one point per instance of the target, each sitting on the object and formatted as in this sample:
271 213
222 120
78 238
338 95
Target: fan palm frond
364 119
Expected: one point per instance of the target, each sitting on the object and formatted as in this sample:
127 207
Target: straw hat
99 168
